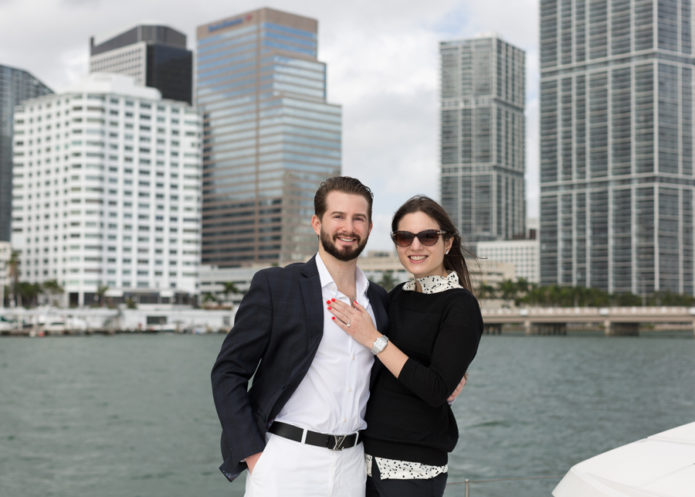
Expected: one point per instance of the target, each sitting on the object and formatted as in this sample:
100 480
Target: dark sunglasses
426 237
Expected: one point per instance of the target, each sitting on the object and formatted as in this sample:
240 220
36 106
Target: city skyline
390 124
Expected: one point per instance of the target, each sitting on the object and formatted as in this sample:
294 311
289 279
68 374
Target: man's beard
347 254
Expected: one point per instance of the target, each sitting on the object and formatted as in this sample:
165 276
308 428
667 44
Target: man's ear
316 224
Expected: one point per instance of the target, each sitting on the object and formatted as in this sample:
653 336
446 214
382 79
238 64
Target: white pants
291 469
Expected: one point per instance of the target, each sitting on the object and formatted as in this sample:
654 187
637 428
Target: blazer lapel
381 316
310 287
378 309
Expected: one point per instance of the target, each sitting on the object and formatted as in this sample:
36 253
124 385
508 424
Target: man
297 428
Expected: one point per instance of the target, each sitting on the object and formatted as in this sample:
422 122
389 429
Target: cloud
89 3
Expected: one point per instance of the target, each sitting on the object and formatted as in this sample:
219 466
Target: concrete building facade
616 145
107 192
482 137
522 254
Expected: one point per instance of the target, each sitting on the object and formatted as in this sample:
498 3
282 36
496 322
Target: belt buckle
338 441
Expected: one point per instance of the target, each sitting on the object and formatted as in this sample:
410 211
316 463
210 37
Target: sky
382 67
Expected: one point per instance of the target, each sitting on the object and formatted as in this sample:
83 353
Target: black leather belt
333 442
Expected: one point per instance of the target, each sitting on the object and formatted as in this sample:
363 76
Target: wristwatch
379 344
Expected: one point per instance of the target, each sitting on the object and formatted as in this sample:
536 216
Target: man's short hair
344 184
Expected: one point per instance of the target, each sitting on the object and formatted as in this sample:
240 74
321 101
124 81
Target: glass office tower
16 86
616 139
483 137
269 136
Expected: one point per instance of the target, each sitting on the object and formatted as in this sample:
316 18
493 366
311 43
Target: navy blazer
277 330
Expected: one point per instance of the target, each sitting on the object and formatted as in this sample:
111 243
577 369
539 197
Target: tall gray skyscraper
16 85
483 137
269 136
154 55
616 138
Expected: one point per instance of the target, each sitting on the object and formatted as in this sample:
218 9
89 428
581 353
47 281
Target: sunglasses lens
428 237
403 238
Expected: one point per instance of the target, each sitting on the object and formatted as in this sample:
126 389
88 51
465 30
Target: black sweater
408 418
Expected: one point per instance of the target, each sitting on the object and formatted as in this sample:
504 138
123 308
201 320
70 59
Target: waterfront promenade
612 320
43 321
532 320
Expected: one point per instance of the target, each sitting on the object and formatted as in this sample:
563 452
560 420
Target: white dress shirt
332 397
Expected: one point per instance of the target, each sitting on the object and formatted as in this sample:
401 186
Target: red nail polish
333 318
328 301
333 300
329 307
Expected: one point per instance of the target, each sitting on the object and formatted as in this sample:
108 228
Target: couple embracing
318 337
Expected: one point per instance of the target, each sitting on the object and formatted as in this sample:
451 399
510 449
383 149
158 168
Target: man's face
344 228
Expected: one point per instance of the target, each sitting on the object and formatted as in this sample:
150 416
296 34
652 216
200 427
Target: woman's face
417 258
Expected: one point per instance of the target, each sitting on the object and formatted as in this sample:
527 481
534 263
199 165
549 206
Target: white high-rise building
106 192
522 254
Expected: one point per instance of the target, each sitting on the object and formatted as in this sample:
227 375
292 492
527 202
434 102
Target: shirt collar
434 283
327 283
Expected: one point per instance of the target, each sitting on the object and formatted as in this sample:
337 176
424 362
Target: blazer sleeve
239 356
454 349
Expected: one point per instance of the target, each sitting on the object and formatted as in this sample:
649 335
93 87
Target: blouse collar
434 283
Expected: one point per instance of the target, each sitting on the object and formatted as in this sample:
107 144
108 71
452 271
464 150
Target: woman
434 330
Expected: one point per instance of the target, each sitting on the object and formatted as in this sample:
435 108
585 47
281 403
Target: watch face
379 344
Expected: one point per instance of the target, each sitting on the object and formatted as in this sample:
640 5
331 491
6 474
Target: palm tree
28 292
523 285
101 292
626 299
13 269
52 287
508 289
208 297
229 287
387 280
485 291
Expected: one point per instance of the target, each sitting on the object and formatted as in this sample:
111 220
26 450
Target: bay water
132 415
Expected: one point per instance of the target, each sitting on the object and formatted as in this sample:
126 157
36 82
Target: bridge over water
613 320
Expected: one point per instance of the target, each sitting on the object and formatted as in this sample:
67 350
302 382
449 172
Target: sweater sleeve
455 347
